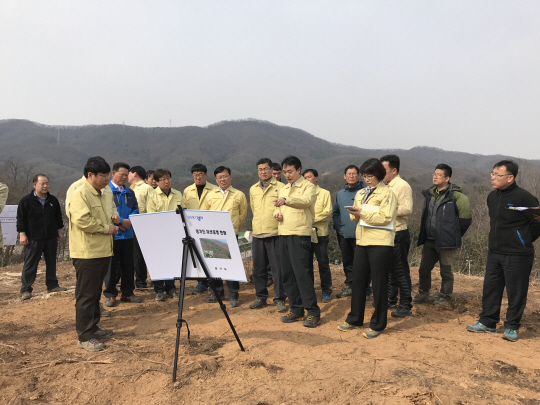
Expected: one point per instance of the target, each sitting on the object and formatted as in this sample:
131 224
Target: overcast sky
458 75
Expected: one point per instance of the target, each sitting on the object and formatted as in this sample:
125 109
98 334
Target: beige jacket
299 210
142 192
4 191
89 224
233 201
262 206
323 211
191 197
158 201
107 192
403 192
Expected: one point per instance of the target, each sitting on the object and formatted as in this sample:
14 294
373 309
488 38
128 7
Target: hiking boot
480 327
269 282
173 294
258 304
401 312
347 291
442 300
326 297
392 305
311 321
57 289
211 299
421 297
291 317
234 302
133 299
370 333
199 289
511 335
26 295
160 296
91 345
103 311
110 302
346 327
280 306
101 333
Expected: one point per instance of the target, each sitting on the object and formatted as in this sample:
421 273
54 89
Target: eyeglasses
164 179
222 178
264 169
105 176
499 175
199 175
368 176
438 175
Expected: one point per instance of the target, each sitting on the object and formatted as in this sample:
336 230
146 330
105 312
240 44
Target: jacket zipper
521 239
497 223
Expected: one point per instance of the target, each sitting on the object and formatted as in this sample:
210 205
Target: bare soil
426 359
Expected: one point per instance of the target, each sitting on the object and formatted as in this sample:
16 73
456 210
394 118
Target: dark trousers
139 264
163 286
121 269
32 255
430 256
232 286
265 253
320 250
374 260
90 274
294 251
513 272
400 273
348 247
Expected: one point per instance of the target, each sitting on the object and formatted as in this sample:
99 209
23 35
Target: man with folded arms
164 198
91 247
265 244
295 210
227 198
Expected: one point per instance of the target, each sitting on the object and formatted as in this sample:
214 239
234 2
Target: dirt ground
425 359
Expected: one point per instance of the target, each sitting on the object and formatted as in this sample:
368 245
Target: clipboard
375 208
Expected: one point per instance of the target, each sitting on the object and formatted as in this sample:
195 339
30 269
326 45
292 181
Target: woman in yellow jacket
374 209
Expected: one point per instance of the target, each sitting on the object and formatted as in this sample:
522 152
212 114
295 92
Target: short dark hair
149 173
315 172
96 166
118 165
198 167
393 161
374 167
351 167
510 165
276 166
36 177
265 160
159 173
221 169
292 161
139 170
95 158
444 167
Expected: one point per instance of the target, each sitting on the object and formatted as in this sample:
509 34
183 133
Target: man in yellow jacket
91 247
194 196
323 212
4 191
142 191
227 198
295 211
164 198
265 244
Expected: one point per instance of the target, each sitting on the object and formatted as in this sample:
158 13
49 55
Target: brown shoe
133 299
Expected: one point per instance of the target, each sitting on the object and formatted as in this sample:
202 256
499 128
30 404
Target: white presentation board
8 217
160 236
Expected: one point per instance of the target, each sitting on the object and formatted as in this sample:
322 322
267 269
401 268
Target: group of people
290 226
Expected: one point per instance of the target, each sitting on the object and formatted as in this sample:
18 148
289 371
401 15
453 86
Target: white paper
8 217
375 208
160 236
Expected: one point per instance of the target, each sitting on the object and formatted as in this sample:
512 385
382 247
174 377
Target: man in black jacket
39 223
511 253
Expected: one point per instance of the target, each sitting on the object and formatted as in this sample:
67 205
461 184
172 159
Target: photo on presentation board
215 248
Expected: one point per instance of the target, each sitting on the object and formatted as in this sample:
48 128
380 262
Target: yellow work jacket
262 206
158 201
191 197
142 192
233 201
4 191
385 198
89 224
323 211
107 192
299 211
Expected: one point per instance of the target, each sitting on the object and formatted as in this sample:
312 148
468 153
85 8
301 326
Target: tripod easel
191 249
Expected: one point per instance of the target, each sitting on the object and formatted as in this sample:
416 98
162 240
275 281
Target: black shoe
421 297
291 317
311 321
401 313
258 304
392 306
347 291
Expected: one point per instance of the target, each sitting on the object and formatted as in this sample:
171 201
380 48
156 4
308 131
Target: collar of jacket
160 191
139 183
206 186
272 182
394 180
299 182
230 190
126 189
92 188
509 188
355 188
34 195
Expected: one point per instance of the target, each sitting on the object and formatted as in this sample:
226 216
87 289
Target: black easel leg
180 304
